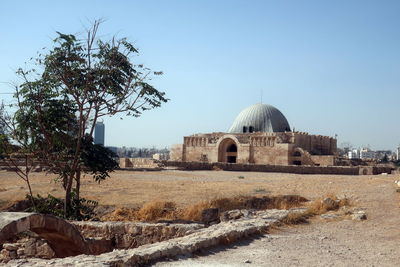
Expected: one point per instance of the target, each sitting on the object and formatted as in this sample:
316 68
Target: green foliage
55 206
46 126
80 81
98 159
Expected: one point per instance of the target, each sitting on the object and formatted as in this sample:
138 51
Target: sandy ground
341 242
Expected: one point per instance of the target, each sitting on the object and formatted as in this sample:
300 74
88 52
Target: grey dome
261 118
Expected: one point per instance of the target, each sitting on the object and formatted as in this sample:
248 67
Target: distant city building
365 153
99 133
398 153
353 154
161 156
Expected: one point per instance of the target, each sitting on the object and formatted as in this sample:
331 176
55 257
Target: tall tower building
99 133
398 152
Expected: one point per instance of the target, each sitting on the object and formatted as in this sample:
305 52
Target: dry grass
152 211
316 207
162 210
157 210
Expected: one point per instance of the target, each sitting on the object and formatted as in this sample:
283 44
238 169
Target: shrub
82 209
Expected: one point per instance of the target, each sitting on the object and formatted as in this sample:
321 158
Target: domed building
260 118
260 134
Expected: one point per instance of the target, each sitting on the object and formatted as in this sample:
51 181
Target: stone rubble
359 216
26 247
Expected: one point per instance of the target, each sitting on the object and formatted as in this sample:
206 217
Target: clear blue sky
332 67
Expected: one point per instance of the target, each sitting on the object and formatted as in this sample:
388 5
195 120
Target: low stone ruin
135 244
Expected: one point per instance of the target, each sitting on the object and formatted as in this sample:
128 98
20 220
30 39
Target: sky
331 67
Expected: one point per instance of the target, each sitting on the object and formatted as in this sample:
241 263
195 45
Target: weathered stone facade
276 148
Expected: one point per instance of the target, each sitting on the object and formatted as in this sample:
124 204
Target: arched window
232 148
244 129
251 129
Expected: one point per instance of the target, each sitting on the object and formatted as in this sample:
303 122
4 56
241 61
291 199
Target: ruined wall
315 144
199 149
175 153
137 163
323 160
339 170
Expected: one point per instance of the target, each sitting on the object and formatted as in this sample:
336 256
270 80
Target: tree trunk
77 197
28 183
30 192
67 202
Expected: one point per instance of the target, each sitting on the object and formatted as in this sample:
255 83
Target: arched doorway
297 157
227 151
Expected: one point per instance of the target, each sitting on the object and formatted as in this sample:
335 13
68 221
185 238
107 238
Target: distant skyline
331 67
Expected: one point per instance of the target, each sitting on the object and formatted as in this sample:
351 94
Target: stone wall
278 154
315 144
338 170
207 153
258 148
137 163
126 235
323 160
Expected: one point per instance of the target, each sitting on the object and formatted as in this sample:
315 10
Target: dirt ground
340 242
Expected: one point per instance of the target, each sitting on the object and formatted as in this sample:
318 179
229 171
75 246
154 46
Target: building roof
262 118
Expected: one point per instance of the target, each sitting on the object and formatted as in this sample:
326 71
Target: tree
80 81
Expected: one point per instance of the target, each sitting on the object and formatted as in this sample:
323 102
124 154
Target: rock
30 247
45 251
247 261
329 216
4 255
359 216
210 216
21 252
330 204
10 247
13 254
231 215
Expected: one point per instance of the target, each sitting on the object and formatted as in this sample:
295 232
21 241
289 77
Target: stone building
261 135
